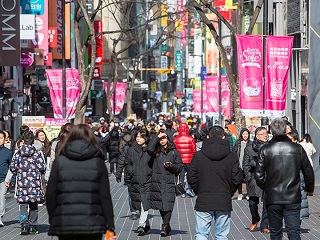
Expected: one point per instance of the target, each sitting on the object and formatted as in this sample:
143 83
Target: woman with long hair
306 143
46 144
166 168
241 143
78 193
138 163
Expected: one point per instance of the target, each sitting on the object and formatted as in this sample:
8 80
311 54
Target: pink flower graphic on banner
251 87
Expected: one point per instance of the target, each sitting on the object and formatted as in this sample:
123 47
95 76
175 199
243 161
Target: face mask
116 124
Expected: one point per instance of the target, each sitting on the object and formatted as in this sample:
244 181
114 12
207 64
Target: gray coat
304 212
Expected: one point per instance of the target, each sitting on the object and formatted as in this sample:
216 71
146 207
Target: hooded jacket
78 195
214 175
185 144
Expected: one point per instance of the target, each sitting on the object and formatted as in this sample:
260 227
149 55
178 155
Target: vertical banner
55 20
73 84
99 43
120 97
250 74
196 95
10 33
278 56
212 90
225 97
42 31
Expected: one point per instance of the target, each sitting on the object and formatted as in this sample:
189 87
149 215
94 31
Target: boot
165 230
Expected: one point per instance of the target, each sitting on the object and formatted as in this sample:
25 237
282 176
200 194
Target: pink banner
73 87
120 96
278 55
212 88
225 97
196 101
42 31
250 74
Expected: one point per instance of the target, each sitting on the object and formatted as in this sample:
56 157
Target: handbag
179 188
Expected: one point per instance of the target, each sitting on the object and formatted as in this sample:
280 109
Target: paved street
182 223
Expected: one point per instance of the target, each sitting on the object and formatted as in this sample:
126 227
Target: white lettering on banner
250 57
59 27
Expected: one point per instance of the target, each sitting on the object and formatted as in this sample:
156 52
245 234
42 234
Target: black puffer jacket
278 171
163 179
214 175
138 164
249 165
112 145
78 192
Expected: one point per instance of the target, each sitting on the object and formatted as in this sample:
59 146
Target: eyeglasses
264 134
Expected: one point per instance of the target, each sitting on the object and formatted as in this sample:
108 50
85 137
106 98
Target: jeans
28 218
221 227
291 215
3 190
253 206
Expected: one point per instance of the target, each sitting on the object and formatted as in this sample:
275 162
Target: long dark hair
161 148
80 132
46 143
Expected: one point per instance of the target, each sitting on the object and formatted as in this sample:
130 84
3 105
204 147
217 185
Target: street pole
220 87
201 88
64 110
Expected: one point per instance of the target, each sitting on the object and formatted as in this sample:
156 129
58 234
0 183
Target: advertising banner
225 97
212 91
99 43
36 7
250 74
278 56
73 87
196 95
53 126
27 26
41 38
119 98
55 20
33 122
9 33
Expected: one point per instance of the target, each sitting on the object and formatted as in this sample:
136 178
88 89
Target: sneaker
1 224
134 216
190 193
183 195
24 230
240 196
33 230
247 197
140 231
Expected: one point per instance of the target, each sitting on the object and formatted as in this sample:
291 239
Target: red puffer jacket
185 144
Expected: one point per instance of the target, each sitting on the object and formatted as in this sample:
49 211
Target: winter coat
5 160
124 144
309 148
78 195
249 165
304 211
214 175
111 142
28 164
278 171
138 163
185 144
164 179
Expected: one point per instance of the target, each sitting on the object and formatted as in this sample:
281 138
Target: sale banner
73 87
225 97
250 74
53 126
278 56
212 91
119 98
196 95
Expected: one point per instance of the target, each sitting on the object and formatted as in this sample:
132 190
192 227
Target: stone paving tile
182 223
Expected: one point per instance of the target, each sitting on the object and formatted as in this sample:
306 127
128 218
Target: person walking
167 165
111 145
138 163
214 163
253 190
278 174
186 146
28 164
5 160
306 143
241 143
78 194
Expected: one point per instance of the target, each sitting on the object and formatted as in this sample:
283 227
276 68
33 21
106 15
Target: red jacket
185 144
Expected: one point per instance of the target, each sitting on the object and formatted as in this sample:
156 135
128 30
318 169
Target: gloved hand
118 180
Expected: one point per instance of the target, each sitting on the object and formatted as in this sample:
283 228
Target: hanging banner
278 56
212 88
99 43
73 86
250 74
225 97
196 95
42 31
119 98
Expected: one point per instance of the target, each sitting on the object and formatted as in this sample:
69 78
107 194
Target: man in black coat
214 175
278 174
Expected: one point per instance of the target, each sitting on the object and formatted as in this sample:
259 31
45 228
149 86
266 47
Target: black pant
253 206
166 216
81 237
291 215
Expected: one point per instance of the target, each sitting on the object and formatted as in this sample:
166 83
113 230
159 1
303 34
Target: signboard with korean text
53 126
36 7
33 122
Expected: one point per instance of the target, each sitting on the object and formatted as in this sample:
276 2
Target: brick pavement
182 223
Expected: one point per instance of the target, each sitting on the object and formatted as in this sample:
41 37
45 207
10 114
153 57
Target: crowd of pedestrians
70 175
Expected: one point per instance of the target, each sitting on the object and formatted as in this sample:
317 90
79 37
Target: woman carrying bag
166 167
